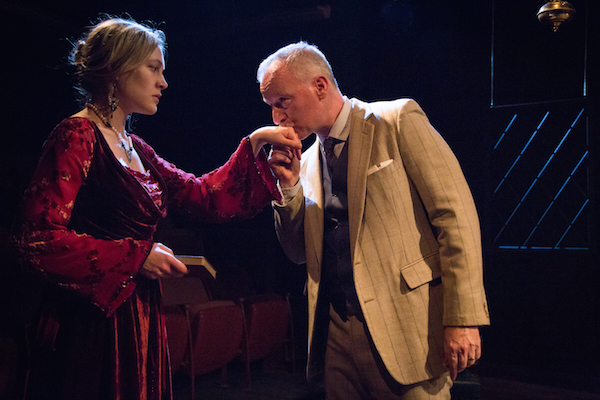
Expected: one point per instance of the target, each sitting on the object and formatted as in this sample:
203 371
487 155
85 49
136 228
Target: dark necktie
328 146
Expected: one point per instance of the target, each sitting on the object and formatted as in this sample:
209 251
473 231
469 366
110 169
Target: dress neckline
125 166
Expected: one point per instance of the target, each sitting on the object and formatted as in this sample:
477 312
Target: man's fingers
462 348
279 159
462 362
451 362
280 155
452 365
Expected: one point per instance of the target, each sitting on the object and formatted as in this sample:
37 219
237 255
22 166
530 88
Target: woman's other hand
161 263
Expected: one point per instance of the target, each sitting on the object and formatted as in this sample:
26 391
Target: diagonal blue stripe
505 131
556 197
522 151
571 224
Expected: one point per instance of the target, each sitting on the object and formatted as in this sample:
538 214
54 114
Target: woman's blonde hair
111 47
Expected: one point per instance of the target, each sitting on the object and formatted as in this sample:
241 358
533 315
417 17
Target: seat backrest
185 290
192 288
267 322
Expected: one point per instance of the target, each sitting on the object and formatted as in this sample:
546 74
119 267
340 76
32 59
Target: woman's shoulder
76 125
74 130
141 144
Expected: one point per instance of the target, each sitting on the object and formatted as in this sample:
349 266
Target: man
389 233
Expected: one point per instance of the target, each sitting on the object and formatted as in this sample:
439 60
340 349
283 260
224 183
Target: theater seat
266 324
203 334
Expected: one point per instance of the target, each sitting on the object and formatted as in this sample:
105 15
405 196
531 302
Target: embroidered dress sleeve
100 270
239 189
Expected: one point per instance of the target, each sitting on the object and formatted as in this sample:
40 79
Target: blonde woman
90 212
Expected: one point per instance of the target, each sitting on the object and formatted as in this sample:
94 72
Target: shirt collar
337 130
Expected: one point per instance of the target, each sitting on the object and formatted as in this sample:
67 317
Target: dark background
462 61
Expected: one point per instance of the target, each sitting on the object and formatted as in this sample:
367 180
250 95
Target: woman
91 210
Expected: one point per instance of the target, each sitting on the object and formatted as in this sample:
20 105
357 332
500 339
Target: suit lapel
359 154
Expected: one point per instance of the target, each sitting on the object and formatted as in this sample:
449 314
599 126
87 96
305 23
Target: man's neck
337 102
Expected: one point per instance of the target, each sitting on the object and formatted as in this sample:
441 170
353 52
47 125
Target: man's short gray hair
305 61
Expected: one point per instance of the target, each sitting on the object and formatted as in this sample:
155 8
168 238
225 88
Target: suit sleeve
434 170
289 226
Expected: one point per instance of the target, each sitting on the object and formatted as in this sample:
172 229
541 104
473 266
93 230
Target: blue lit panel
539 178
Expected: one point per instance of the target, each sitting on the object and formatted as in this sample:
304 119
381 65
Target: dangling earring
113 99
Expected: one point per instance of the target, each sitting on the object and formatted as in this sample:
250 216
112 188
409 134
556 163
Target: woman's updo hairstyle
111 47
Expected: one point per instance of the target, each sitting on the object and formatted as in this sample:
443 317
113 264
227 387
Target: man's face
293 103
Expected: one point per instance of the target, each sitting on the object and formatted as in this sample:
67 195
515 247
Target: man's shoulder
381 108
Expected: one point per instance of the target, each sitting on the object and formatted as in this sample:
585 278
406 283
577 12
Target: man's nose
278 116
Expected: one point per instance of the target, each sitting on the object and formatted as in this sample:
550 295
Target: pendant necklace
124 140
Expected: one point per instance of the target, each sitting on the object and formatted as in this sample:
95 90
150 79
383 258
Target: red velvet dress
87 228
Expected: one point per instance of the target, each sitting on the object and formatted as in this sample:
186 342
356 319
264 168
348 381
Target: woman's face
140 90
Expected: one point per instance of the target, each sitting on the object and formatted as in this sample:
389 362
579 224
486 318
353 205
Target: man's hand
161 263
285 164
462 348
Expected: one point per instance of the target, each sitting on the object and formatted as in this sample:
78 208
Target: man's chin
303 134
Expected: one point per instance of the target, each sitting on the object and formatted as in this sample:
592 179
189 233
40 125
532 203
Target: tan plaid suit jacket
412 220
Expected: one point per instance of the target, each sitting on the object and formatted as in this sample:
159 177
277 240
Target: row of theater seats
206 333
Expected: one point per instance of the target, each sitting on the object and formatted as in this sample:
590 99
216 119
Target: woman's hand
161 263
281 136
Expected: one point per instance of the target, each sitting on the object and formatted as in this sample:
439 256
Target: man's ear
321 86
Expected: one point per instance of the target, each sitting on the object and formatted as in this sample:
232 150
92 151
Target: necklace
124 140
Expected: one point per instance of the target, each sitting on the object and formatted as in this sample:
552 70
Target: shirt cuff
287 194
